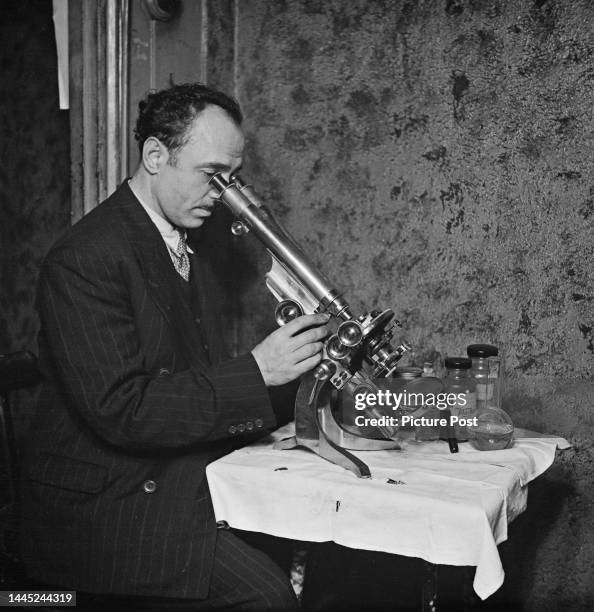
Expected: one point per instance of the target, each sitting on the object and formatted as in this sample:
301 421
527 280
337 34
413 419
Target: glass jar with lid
479 355
460 387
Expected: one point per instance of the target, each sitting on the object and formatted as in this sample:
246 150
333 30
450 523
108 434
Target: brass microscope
358 352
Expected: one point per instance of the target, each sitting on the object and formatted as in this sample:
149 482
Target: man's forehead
215 125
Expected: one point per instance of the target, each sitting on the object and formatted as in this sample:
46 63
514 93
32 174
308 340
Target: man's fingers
292 349
308 364
307 351
296 325
315 334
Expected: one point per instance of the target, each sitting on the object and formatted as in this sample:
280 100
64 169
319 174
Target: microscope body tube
285 250
248 192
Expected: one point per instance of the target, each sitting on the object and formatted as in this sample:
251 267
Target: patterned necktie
181 261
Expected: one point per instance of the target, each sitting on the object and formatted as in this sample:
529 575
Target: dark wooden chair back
17 371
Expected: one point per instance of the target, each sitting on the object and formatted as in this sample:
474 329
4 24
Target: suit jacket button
197 320
241 427
232 429
249 425
164 371
149 486
259 422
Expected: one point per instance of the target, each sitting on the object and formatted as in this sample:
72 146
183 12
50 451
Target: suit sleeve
89 333
282 399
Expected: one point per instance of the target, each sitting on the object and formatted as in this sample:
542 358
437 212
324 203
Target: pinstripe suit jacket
114 491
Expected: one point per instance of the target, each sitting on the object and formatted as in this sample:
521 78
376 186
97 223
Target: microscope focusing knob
286 311
335 348
350 333
238 228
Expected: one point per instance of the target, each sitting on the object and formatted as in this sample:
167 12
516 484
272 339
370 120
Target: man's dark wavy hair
169 113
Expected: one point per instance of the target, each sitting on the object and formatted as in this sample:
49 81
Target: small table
421 501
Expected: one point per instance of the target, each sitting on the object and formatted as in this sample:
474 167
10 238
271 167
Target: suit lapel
161 283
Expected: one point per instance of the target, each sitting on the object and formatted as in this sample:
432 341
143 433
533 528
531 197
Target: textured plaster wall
435 157
34 163
34 172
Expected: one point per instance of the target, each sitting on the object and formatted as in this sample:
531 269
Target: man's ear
154 155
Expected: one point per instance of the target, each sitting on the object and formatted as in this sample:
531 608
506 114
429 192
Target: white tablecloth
421 501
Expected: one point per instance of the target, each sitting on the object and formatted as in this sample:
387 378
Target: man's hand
289 352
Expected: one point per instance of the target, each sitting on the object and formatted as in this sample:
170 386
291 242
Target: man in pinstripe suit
139 395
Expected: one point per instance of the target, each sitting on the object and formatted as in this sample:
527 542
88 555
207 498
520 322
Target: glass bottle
428 429
427 417
428 369
407 374
460 387
479 355
494 429
495 381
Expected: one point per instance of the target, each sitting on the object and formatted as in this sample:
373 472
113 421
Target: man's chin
195 222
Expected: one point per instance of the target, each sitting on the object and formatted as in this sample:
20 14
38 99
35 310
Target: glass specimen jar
479 355
460 387
494 429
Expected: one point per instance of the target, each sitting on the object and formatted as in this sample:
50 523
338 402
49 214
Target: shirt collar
166 229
